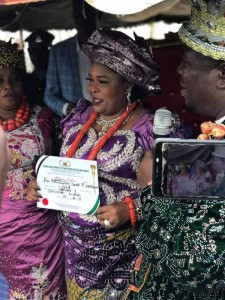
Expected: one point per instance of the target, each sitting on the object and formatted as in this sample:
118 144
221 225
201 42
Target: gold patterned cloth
205 31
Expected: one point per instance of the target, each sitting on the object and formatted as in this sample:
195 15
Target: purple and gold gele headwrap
128 58
10 55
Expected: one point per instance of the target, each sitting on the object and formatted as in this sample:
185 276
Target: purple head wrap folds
131 59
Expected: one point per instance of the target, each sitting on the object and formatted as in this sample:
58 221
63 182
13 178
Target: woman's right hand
33 191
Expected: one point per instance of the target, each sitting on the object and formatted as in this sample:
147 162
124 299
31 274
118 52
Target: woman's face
108 90
11 88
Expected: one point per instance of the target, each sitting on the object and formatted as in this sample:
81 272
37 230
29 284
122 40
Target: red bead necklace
106 136
22 116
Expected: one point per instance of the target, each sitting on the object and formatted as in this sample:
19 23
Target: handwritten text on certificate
68 184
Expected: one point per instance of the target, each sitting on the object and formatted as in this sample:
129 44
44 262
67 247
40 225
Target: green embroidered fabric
184 241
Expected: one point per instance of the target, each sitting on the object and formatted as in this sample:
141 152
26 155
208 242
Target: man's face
197 86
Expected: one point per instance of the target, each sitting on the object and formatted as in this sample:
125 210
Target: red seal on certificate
45 201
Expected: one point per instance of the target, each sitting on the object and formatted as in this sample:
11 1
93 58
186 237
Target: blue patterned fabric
3 288
63 81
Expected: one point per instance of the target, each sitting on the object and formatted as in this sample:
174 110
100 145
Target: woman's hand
116 213
33 192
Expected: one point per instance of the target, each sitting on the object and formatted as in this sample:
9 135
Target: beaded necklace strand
21 118
105 137
105 124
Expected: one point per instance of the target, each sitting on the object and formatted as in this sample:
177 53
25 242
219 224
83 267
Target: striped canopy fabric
8 2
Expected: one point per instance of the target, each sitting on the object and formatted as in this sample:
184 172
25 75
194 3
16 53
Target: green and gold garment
182 250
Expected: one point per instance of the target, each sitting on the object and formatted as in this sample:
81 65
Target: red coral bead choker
21 118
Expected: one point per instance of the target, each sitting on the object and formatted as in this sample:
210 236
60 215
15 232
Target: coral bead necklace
21 118
109 133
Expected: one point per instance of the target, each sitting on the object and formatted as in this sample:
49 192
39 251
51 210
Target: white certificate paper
68 184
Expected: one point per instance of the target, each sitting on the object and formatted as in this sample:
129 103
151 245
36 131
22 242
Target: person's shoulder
144 119
81 113
43 113
83 107
65 44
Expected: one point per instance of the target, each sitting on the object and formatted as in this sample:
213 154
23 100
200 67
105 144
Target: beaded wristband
138 209
130 203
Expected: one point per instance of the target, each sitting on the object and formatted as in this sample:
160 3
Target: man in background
68 65
202 70
39 44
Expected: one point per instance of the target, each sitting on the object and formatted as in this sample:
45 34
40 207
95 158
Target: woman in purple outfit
31 247
117 132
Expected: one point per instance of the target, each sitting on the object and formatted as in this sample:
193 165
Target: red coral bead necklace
105 137
21 118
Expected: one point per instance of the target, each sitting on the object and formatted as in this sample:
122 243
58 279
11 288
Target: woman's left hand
113 215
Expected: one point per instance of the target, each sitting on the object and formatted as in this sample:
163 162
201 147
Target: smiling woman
116 131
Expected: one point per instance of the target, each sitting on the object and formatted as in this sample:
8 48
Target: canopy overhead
10 2
48 14
57 14
124 7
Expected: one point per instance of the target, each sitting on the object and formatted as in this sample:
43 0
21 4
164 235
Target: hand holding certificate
68 184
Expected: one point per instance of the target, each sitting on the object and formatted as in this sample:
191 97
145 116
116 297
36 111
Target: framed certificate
68 184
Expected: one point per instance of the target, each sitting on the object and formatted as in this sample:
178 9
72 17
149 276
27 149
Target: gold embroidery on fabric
22 171
74 292
125 181
85 147
111 158
36 128
38 290
113 195
199 18
204 48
